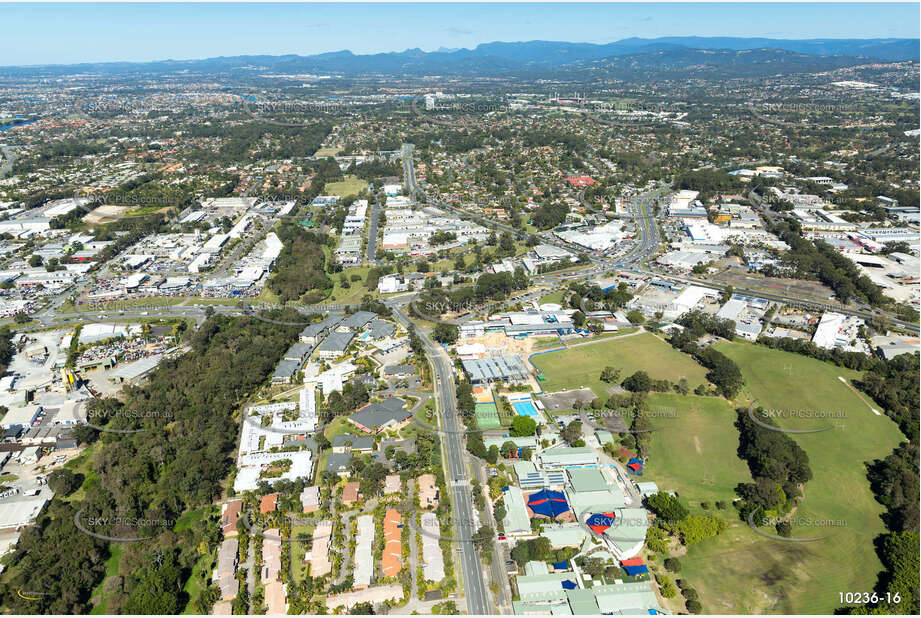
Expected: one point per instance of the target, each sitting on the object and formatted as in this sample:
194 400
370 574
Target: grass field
356 289
553 297
693 450
350 185
742 572
327 152
581 366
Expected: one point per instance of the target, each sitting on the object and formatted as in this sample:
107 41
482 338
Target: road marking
854 390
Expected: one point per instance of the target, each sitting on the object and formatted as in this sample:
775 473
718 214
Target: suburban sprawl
601 341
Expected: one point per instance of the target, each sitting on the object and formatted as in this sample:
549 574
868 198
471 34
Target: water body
17 123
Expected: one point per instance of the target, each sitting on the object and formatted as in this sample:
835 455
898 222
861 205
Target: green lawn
299 550
581 366
350 185
742 572
693 450
339 426
188 519
553 297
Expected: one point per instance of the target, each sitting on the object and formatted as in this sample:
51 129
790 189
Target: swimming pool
525 408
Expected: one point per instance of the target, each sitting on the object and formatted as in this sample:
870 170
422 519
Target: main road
478 601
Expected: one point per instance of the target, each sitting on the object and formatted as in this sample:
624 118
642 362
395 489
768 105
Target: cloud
458 31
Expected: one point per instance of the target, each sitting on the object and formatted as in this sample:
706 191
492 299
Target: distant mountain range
744 56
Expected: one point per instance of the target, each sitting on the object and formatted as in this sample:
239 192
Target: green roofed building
516 521
626 599
582 602
543 588
627 533
587 480
521 442
604 436
568 457
522 608
536 567
591 492
564 535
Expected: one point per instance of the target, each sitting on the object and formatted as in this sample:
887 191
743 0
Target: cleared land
743 572
350 185
581 366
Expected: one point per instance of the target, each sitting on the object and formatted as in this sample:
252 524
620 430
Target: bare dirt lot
788 287
566 400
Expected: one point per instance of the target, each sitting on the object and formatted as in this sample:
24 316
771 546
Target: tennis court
487 416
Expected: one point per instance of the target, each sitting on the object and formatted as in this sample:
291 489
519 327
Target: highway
478 601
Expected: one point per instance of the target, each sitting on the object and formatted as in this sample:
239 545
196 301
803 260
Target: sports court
487 416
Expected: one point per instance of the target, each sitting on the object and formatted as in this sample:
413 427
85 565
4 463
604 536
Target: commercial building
496 369
375 417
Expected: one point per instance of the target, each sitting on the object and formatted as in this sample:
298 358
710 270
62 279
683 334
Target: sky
74 33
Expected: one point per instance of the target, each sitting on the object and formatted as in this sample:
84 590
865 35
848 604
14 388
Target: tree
157 588
578 318
445 333
672 564
572 432
696 528
523 426
63 482
639 382
498 511
507 243
667 507
508 449
362 609
610 374
21 317
35 261
483 539
636 317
